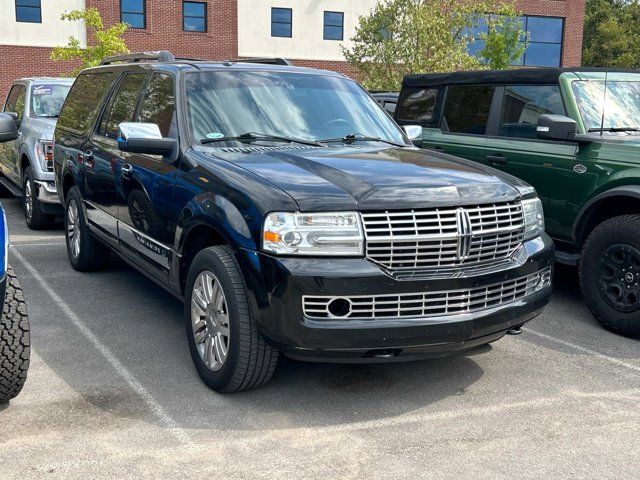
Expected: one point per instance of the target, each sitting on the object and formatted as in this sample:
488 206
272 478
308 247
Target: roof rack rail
267 61
159 56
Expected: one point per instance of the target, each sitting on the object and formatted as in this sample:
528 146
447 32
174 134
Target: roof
63 80
498 77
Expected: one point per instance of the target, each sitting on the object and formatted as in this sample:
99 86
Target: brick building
309 32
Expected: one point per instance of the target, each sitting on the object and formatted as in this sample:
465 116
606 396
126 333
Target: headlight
334 233
533 218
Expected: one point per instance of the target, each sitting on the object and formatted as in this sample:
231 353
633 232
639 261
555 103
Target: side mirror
8 128
414 132
556 127
145 138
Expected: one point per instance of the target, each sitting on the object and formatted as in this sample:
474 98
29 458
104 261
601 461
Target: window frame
38 8
144 15
204 17
325 25
290 23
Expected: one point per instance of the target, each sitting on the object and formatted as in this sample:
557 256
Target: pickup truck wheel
610 274
85 252
34 216
14 340
229 353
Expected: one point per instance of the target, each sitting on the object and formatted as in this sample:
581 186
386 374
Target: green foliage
400 37
612 34
107 41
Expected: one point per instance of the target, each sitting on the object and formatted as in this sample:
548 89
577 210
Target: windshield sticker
215 135
43 90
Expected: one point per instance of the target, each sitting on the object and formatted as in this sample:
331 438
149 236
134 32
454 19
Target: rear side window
159 104
84 100
466 109
418 105
523 104
122 104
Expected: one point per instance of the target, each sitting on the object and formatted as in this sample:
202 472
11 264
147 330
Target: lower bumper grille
427 304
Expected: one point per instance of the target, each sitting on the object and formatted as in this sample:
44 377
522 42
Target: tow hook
514 331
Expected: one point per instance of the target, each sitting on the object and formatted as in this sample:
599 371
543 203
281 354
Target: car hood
349 178
44 127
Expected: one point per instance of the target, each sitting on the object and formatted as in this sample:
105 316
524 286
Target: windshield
292 105
621 106
47 99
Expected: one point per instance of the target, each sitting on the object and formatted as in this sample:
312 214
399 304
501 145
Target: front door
103 160
147 215
9 151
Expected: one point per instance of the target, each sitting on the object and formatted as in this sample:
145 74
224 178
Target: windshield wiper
614 129
250 137
357 137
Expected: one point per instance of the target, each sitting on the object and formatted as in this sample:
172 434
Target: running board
10 186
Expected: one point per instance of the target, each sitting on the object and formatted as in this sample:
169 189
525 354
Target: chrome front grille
415 241
424 304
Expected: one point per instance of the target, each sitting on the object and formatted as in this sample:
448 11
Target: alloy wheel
620 277
210 320
28 200
73 230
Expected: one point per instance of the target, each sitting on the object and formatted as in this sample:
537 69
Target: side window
84 100
390 107
15 100
159 104
418 105
20 102
466 109
122 105
523 104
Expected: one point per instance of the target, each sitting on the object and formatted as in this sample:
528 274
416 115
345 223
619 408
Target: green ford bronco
574 134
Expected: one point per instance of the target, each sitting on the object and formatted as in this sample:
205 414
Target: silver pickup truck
26 164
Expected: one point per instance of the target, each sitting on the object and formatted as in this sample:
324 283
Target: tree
400 37
612 34
107 41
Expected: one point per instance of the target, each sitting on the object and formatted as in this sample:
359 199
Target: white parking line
599 355
135 385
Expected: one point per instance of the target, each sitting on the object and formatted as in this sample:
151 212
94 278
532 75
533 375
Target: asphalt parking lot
112 393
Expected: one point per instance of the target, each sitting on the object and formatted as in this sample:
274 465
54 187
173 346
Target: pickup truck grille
425 304
418 241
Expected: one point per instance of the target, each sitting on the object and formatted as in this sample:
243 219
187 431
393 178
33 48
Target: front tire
35 218
15 340
85 252
227 350
610 274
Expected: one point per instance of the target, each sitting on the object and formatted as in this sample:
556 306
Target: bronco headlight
331 233
533 218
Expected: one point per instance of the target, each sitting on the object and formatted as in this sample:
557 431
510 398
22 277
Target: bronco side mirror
145 138
8 128
556 127
414 132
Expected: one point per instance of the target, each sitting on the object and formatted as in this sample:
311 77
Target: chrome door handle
126 170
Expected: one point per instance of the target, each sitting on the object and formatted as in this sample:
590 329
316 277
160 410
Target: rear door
16 102
515 148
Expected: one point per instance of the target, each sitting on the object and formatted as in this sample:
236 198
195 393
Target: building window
545 40
28 11
134 13
333 25
194 16
281 22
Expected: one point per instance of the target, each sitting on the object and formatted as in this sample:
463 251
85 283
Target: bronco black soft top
499 77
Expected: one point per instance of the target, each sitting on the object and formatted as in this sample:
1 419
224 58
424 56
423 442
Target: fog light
339 307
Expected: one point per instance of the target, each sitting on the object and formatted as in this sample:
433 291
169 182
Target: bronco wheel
610 274
85 252
15 341
229 353
35 218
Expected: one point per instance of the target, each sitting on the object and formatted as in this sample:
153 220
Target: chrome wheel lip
210 321
28 200
72 231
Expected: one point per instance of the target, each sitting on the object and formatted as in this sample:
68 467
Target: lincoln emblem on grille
464 233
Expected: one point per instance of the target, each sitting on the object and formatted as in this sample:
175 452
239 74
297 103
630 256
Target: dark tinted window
28 11
418 105
523 104
84 100
333 25
466 109
194 16
281 22
122 105
158 105
12 100
133 13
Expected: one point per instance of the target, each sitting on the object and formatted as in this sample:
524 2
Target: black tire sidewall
208 260
623 230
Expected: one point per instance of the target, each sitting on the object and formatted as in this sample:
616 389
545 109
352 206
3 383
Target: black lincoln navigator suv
291 214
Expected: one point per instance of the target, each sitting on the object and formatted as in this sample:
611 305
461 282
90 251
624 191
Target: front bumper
48 197
278 285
